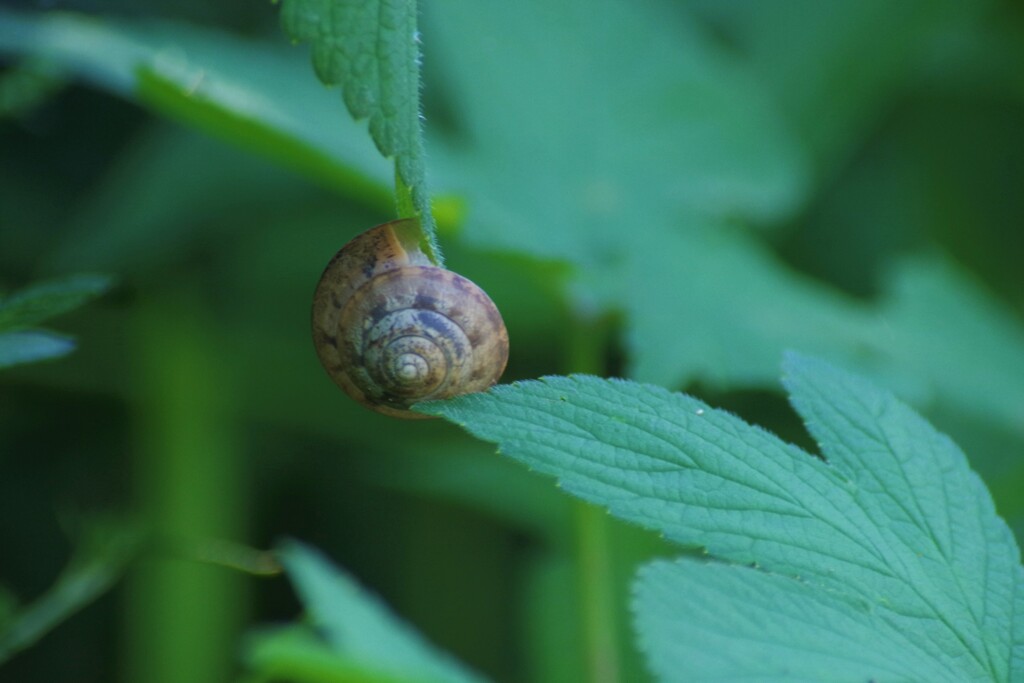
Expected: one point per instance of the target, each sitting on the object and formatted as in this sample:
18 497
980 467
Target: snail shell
392 329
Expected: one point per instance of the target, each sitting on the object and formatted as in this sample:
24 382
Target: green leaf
358 627
732 311
297 655
975 364
950 558
371 49
700 621
894 525
40 302
102 555
18 348
588 127
27 85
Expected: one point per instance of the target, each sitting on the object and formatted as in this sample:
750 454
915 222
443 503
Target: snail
391 328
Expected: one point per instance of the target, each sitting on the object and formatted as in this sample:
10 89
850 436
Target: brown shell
392 329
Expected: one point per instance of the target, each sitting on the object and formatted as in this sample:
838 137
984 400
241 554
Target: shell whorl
392 329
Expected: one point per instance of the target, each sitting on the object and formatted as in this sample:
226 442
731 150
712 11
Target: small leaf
357 626
371 50
35 304
104 551
27 85
296 654
894 530
43 301
17 348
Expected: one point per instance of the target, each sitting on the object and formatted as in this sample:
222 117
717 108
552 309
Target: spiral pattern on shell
392 329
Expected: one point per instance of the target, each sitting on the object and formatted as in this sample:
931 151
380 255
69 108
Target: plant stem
183 617
597 593
587 354
405 207
404 204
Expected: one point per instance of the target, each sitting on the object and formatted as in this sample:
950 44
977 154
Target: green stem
406 207
184 618
587 354
404 204
597 592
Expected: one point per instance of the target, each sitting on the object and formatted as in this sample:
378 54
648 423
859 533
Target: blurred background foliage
672 191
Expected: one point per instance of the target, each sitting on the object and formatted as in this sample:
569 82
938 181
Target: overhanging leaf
371 49
895 524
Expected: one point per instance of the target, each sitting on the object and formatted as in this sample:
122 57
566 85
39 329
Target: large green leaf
894 530
585 125
705 621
